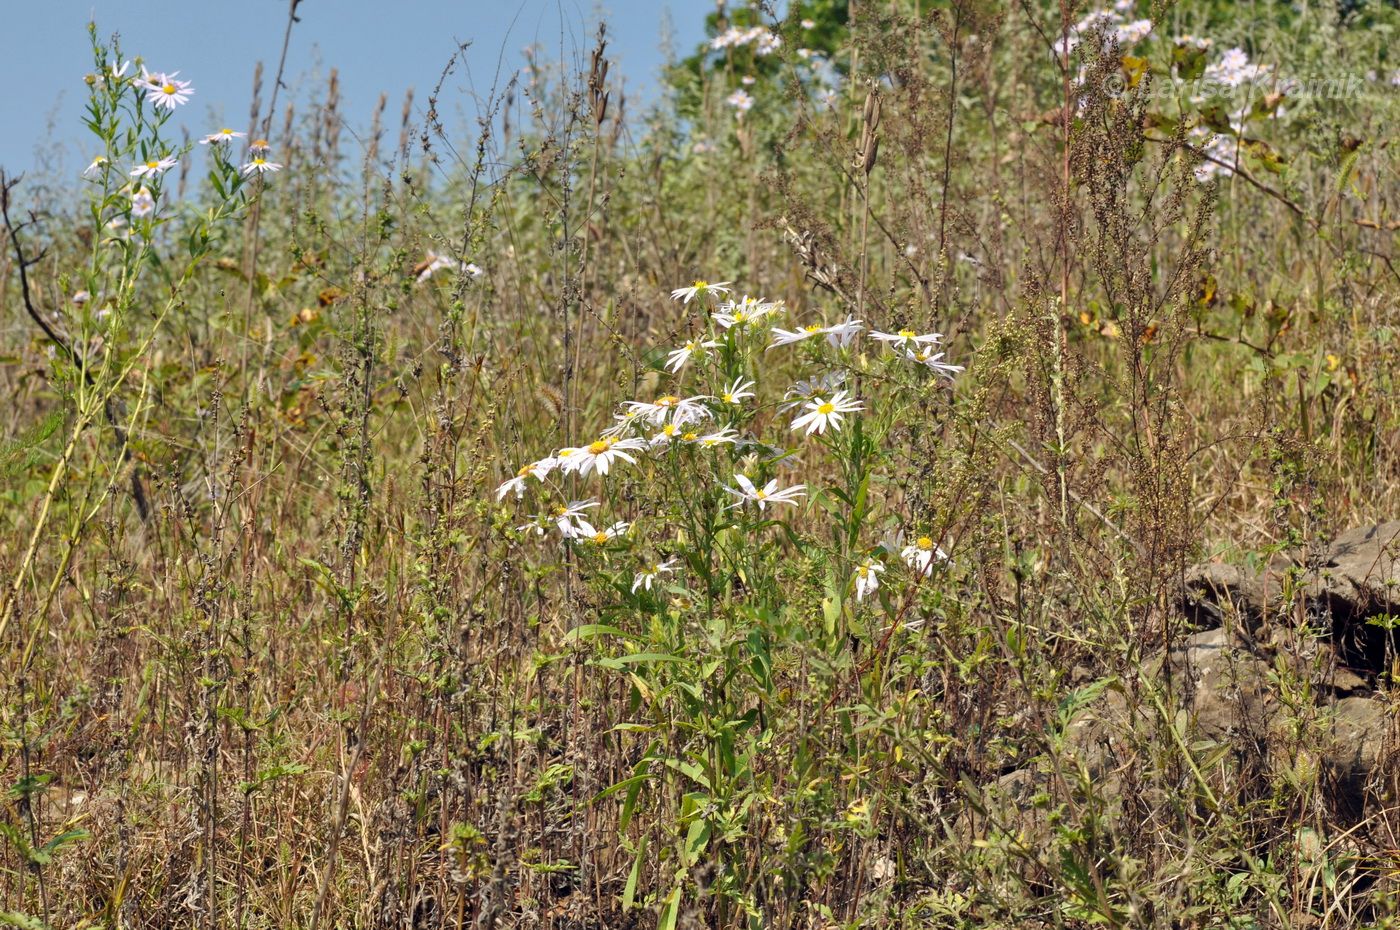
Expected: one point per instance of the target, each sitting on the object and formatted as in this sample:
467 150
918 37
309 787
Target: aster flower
842 334
785 337
624 421
744 312
678 358
569 518
679 410
645 577
921 554
537 470
163 90
823 413
700 289
260 165
736 392
142 203
933 361
740 100
906 338
222 136
94 170
867 577
154 168
809 388
768 494
601 455
719 437
599 537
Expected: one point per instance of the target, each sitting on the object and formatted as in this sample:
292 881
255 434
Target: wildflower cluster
763 40
1110 23
661 435
127 113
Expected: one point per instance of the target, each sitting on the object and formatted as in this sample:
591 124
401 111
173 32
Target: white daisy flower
645 577
840 335
921 554
744 312
823 413
768 494
154 168
601 455
740 101
736 392
906 338
624 421
599 537
710 440
700 289
668 433
142 203
868 578
933 362
537 470
260 165
784 337
222 136
678 358
163 90
94 170
808 388
568 518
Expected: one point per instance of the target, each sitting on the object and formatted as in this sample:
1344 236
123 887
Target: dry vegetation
277 654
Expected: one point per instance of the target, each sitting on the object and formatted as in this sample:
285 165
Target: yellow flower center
167 89
600 538
528 469
259 144
224 132
862 571
701 285
560 510
727 397
153 165
925 542
814 328
906 334
689 437
669 400
827 409
601 446
741 317
760 494
669 429
259 160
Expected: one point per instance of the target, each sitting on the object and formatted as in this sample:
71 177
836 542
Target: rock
1228 692
1362 571
1355 579
1215 590
1362 728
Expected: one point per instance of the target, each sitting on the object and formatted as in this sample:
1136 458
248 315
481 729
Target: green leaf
629 890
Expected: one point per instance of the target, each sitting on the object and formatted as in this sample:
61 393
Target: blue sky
376 46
